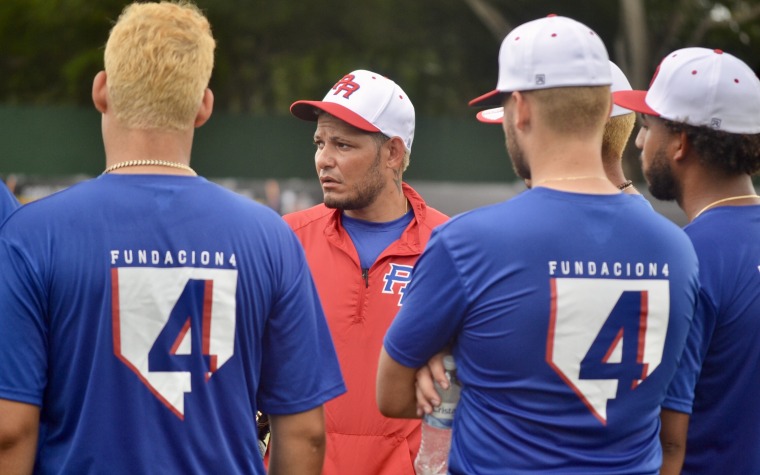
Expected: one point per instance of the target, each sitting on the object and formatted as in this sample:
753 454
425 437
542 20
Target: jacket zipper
365 276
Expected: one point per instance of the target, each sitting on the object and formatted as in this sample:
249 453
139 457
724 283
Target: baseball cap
369 102
619 83
701 87
550 52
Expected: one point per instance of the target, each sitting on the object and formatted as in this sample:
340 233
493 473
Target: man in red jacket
361 245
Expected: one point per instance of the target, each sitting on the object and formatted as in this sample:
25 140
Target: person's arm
427 396
19 425
298 443
674 426
396 392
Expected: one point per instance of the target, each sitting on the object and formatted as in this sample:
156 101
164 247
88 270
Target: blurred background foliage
270 53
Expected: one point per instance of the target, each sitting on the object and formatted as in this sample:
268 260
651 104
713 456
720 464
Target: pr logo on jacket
397 279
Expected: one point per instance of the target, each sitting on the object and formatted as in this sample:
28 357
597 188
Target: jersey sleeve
300 369
680 395
8 202
434 307
23 329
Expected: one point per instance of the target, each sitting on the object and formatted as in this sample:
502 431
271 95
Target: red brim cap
304 110
635 101
490 99
491 116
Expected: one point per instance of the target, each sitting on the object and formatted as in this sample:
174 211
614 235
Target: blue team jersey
8 202
567 314
723 357
151 317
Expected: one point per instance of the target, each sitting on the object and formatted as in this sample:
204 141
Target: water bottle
432 459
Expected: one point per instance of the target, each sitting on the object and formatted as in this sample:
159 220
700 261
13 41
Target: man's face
348 163
655 142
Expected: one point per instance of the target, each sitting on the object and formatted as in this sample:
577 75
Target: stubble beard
660 179
519 165
364 193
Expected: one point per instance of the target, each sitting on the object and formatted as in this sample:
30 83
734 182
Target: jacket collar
409 243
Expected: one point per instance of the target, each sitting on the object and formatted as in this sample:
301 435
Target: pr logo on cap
347 85
367 101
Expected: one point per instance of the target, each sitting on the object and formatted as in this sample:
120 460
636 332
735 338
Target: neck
124 145
151 166
387 207
613 169
709 193
569 164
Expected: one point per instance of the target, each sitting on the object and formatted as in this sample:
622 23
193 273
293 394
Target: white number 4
606 335
174 327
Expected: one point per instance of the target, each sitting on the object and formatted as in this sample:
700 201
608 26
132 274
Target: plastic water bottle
432 459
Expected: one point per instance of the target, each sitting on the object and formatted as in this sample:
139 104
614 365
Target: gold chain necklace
144 163
732 198
571 178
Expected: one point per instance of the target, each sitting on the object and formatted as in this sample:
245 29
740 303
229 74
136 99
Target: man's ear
207 106
100 92
681 145
523 110
396 152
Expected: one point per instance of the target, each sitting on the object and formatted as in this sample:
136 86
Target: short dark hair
729 153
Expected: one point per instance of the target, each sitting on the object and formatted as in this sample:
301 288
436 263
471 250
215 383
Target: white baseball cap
548 53
619 83
701 87
369 102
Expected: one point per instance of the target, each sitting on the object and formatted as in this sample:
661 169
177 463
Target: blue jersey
8 202
150 317
567 314
724 356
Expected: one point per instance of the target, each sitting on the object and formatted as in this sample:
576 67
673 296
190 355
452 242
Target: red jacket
360 306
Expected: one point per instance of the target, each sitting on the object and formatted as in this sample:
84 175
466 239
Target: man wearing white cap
700 145
362 244
617 131
566 307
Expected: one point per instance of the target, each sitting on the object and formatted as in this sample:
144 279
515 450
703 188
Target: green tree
441 51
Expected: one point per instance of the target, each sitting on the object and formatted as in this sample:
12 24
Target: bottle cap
449 363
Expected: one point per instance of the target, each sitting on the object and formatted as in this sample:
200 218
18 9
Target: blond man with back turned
137 308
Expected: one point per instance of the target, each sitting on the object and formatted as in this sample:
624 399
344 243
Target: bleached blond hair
617 132
158 62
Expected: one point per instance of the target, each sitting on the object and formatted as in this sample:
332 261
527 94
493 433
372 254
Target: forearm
297 443
673 434
672 459
396 391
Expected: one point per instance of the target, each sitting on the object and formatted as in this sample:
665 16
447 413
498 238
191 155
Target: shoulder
475 220
433 217
301 219
56 204
426 215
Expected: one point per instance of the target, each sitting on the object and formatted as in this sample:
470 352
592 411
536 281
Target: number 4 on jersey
174 327
606 335
186 331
